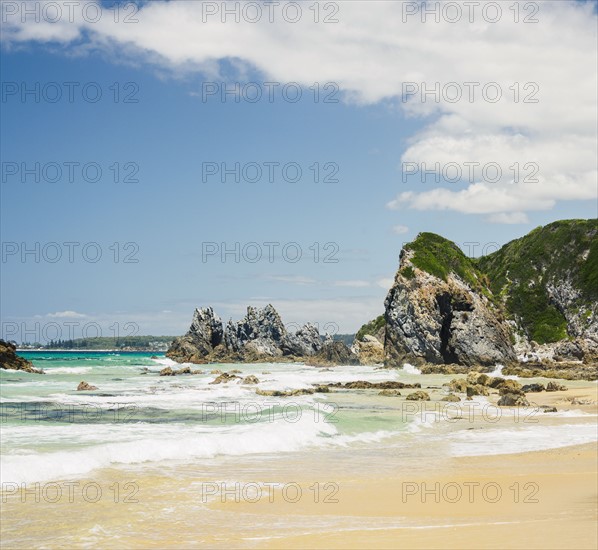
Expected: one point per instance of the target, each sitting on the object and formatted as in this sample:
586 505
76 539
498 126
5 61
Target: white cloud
508 218
400 229
66 315
292 279
353 284
385 283
371 53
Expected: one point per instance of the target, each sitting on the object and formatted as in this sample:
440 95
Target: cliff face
11 361
445 317
259 336
541 289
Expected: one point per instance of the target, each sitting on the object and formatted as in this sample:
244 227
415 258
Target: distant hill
142 343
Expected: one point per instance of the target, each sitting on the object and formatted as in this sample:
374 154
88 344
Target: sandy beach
376 496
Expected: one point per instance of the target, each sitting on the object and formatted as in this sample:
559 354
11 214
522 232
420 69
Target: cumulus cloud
352 284
400 229
69 314
292 279
508 218
543 121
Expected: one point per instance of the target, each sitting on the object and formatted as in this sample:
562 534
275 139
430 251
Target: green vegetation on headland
526 275
372 328
141 343
562 253
439 257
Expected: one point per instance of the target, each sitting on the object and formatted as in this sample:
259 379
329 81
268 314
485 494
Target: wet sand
349 498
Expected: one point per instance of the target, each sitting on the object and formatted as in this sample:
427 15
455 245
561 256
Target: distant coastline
82 350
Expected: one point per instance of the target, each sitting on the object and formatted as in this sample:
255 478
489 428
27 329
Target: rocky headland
11 361
531 306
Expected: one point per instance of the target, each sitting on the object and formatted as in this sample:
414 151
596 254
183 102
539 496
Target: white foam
410 369
498 373
499 441
164 443
68 370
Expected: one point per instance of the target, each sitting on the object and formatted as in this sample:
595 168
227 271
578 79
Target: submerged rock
224 378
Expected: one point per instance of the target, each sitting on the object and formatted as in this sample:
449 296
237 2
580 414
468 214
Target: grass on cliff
439 257
521 269
371 328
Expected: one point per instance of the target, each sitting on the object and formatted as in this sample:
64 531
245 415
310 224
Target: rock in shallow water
84 386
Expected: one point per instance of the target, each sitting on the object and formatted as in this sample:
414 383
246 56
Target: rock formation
534 300
444 316
259 336
11 361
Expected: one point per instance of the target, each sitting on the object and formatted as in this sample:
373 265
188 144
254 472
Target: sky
157 157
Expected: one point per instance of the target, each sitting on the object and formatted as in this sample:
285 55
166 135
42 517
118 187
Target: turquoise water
136 417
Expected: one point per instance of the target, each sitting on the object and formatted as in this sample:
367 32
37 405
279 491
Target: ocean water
137 419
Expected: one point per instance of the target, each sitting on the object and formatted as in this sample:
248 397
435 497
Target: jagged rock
553 386
451 397
305 342
418 396
202 338
251 380
166 371
548 409
11 361
260 332
333 353
322 389
84 386
224 378
513 400
533 388
259 336
390 393
216 371
369 350
568 351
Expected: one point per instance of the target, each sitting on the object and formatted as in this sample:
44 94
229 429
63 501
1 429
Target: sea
169 444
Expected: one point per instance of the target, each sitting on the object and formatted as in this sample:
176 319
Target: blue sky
170 211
